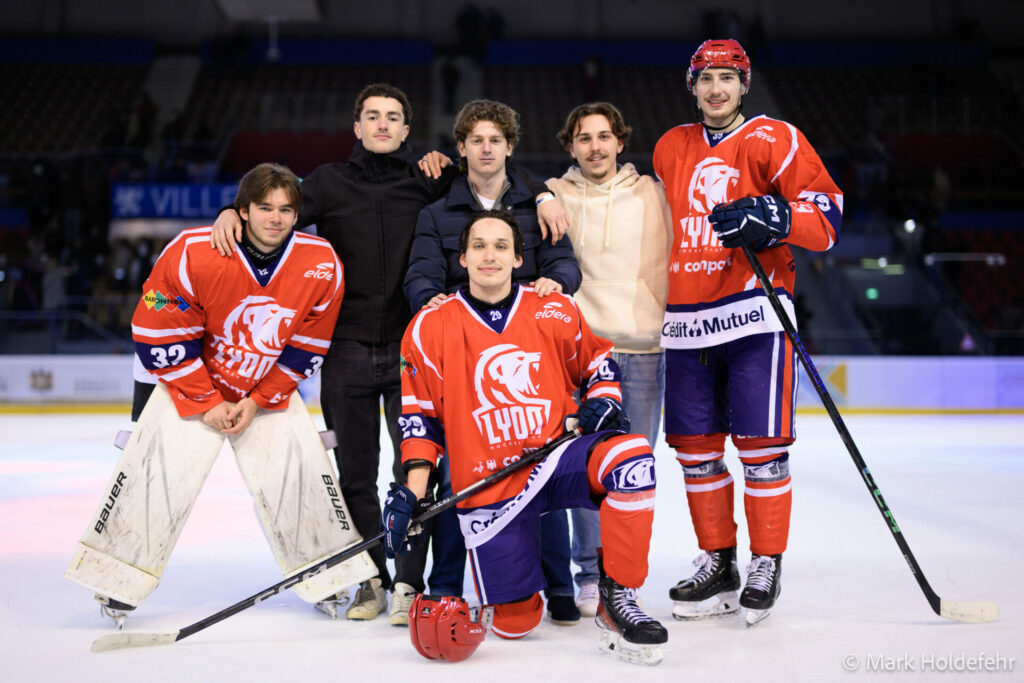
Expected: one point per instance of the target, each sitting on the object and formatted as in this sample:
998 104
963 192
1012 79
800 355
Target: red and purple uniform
216 329
729 366
487 384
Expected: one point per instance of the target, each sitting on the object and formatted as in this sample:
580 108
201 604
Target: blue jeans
643 384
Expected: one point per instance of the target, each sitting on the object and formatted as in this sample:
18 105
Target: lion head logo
504 376
257 324
710 183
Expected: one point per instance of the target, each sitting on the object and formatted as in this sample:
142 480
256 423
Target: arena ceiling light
262 10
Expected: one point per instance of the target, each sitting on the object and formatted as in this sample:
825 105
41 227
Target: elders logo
710 183
762 132
323 271
553 309
253 336
510 403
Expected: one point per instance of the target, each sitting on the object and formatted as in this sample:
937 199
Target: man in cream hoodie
621 231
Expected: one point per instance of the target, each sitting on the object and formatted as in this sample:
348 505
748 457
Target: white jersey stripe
310 341
793 146
187 370
169 332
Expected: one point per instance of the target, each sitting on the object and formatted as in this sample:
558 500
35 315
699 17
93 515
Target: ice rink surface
850 608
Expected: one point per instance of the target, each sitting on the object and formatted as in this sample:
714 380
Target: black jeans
356 377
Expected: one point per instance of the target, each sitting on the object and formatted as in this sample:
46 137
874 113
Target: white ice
849 601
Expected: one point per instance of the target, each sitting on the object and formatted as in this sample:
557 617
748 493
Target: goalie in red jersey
490 372
229 340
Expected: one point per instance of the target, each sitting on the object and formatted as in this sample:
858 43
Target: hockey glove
596 414
400 506
761 222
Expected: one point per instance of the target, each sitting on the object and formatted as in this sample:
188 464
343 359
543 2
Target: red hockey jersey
215 328
713 294
487 395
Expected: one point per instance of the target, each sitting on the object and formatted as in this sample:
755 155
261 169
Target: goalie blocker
123 552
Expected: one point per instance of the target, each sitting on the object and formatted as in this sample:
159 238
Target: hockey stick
117 641
968 612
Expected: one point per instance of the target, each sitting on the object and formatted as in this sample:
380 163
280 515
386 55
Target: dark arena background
124 122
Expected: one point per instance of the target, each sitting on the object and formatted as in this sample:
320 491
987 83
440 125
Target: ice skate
330 606
627 633
764 584
115 609
711 591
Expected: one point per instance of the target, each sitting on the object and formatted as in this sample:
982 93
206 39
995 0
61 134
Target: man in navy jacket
486 132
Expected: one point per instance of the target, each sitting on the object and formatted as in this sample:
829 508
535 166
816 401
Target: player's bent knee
622 464
514 620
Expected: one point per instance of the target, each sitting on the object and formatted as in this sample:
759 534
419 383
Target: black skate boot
627 633
764 584
115 609
711 591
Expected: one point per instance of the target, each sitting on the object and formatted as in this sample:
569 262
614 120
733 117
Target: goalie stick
965 611
117 641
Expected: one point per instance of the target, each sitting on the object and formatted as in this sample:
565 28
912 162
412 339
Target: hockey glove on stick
400 506
596 414
761 222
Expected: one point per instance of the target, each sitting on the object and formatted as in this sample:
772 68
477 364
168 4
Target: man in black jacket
367 209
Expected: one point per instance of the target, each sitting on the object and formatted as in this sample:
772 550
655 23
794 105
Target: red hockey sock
709 489
623 467
768 499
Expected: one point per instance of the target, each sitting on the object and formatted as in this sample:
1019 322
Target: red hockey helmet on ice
726 54
446 627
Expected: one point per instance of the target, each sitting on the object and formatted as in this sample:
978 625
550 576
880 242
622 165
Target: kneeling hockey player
491 372
229 342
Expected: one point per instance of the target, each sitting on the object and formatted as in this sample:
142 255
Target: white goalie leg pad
304 516
150 495
109 576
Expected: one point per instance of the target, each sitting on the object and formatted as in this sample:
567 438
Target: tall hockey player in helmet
730 369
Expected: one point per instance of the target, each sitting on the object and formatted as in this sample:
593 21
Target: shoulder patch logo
155 300
710 183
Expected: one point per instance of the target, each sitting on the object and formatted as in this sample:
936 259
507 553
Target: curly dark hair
498 113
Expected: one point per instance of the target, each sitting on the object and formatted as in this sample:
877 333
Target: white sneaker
588 599
370 600
402 595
